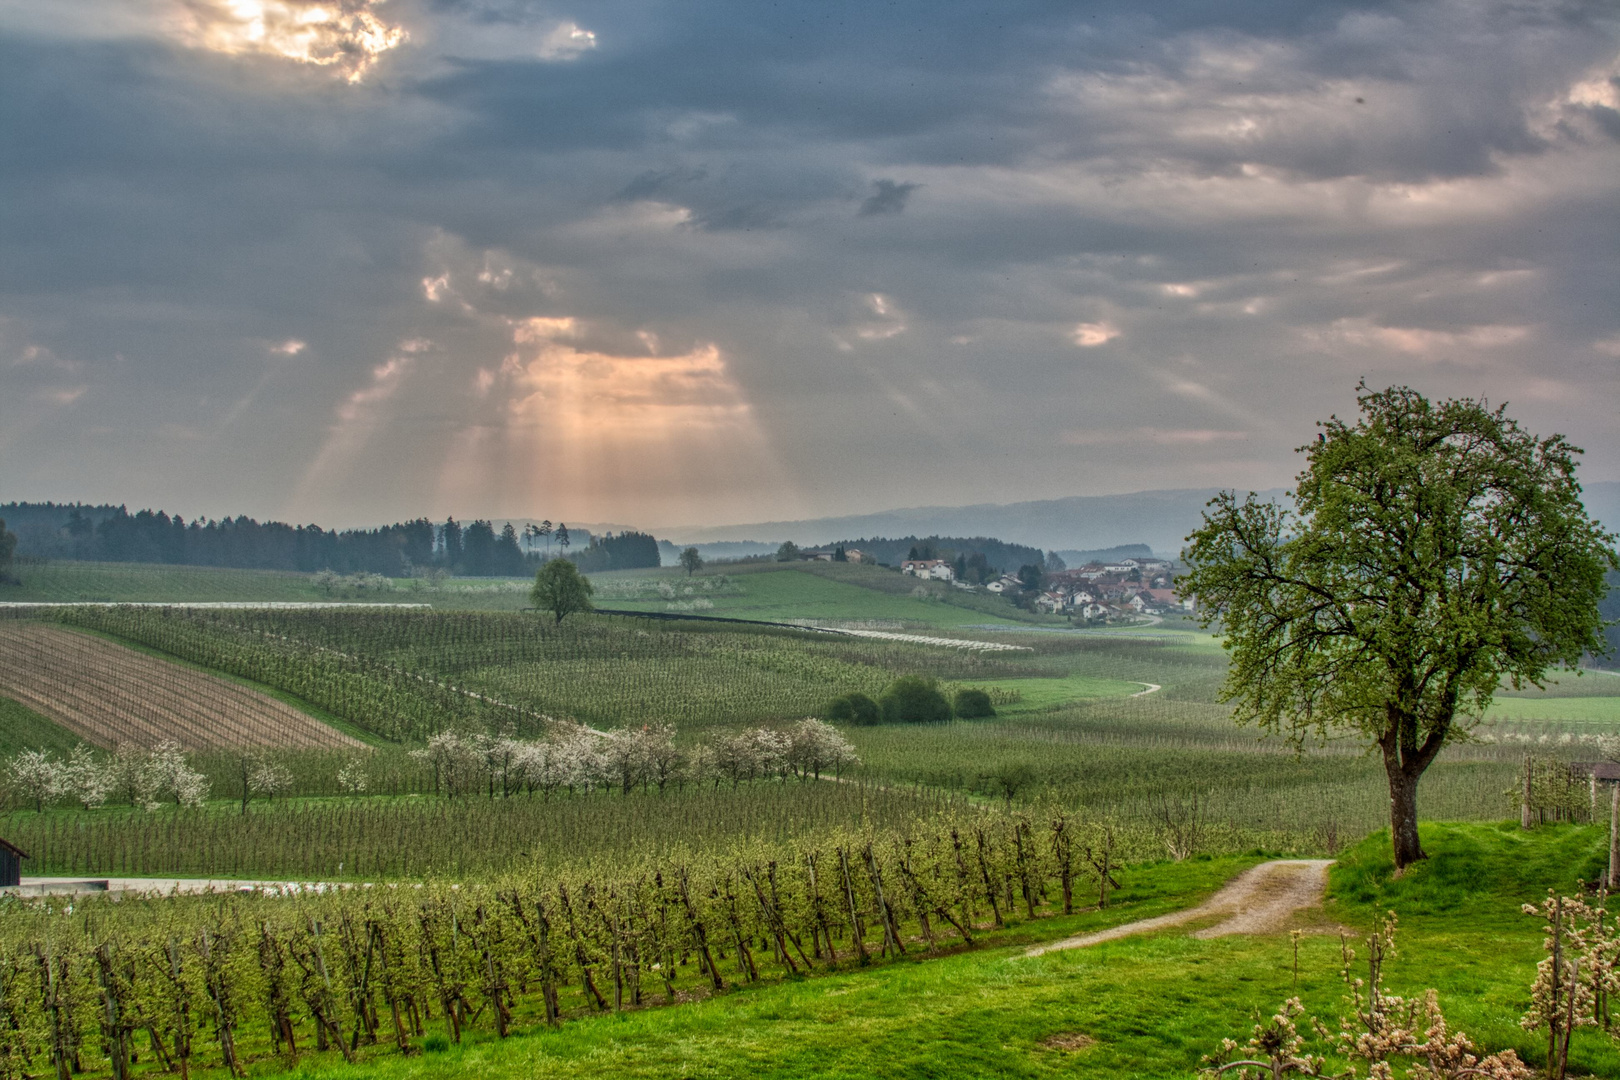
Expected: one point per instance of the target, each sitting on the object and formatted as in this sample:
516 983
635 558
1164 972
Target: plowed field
107 694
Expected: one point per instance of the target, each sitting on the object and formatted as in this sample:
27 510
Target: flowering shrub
1381 1028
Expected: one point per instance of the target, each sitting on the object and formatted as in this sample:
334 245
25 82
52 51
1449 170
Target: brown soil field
108 694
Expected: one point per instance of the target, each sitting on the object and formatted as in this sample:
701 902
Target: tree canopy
1432 551
561 589
913 699
691 560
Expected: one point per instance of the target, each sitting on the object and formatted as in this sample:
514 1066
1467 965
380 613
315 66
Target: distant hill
1081 523
1159 519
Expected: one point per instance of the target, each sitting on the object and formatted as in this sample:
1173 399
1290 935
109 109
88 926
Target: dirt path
1257 901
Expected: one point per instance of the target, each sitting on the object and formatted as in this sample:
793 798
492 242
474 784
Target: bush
971 704
913 699
852 709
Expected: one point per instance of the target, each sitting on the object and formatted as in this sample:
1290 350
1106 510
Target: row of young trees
142 777
573 758
580 759
223 980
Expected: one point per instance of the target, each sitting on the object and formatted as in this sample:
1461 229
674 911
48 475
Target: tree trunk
1403 823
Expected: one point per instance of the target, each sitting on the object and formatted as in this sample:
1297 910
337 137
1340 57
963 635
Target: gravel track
1260 900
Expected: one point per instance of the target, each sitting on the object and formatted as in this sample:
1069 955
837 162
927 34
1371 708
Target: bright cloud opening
566 42
1089 335
347 36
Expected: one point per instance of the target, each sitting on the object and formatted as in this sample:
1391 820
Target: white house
935 569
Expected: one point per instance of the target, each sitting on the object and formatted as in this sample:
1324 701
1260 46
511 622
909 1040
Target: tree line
475 549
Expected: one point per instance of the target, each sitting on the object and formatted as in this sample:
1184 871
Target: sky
700 262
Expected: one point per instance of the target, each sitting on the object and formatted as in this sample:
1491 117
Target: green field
1167 771
1582 711
23 729
88 582
769 592
818 593
1148 1006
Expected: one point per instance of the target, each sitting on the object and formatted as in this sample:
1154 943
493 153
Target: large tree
1433 550
561 589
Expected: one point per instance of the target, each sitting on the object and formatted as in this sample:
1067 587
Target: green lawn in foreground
1153 1004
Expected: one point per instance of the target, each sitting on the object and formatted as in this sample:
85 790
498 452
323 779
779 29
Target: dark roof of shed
14 849
1599 770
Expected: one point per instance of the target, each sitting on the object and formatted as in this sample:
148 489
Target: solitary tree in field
691 560
561 589
1432 551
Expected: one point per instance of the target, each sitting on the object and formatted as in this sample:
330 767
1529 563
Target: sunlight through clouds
348 36
589 427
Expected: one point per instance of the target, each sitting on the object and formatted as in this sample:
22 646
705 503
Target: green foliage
972 703
691 560
855 708
1432 550
382 837
626 551
561 589
913 699
787 552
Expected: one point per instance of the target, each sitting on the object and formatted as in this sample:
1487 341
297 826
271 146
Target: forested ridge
112 534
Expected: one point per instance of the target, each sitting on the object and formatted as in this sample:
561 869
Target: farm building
11 858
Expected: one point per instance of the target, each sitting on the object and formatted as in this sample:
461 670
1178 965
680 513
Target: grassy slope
21 728
849 593
1154 1004
69 582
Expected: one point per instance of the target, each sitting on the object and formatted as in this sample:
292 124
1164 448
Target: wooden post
1524 804
1614 835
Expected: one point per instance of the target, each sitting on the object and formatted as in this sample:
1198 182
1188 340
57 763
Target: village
1095 592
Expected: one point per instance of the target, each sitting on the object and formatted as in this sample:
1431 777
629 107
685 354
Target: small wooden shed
11 857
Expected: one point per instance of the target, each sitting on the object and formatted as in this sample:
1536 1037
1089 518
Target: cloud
1425 342
347 36
1088 335
1242 237
567 41
889 198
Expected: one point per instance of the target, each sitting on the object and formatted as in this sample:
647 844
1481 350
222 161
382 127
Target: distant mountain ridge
1160 519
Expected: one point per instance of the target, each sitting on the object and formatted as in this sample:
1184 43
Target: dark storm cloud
1155 244
889 198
